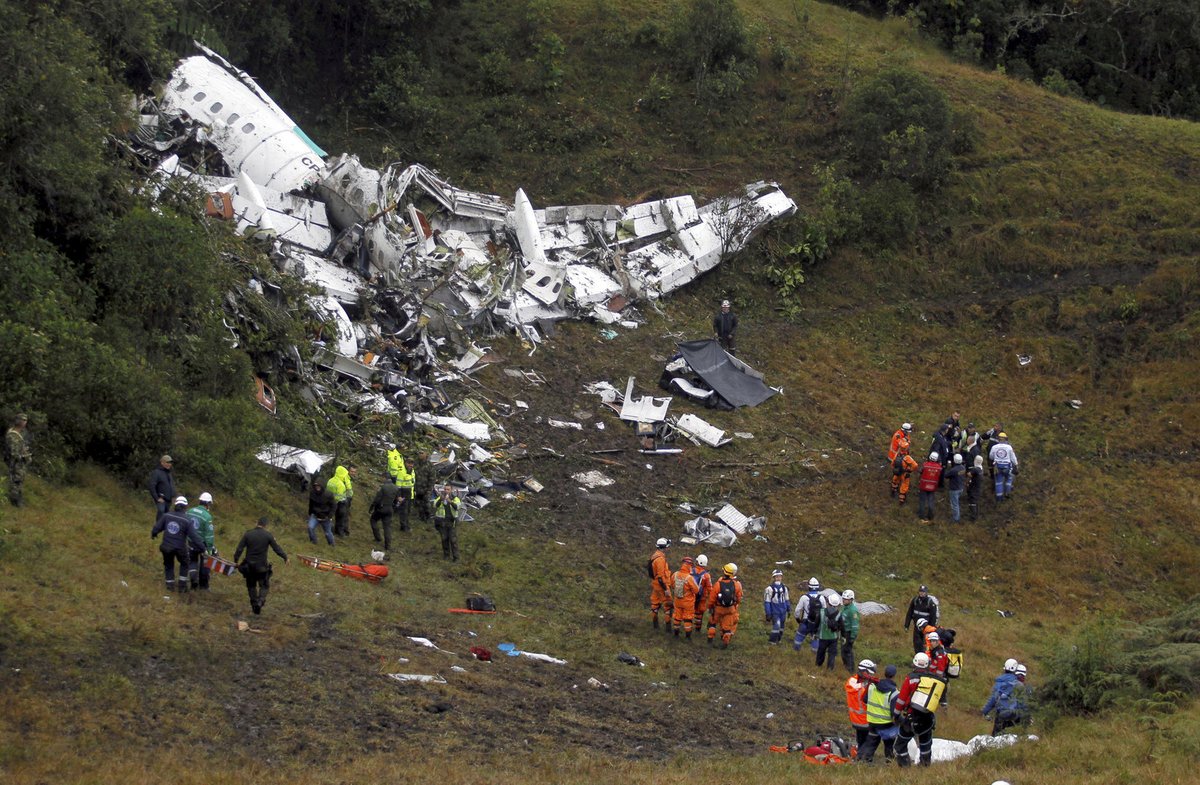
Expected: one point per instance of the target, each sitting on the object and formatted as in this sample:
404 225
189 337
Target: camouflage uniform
423 487
17 453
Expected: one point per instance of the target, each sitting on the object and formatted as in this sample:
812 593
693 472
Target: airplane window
233 118
198 97
215 107
247 128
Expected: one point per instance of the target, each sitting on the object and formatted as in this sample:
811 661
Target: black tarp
736 382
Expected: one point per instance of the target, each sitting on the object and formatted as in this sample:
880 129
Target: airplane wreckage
409 264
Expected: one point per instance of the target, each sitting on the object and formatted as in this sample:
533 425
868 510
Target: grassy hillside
1068 234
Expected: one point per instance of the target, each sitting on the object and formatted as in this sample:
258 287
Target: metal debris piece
1024 359
294 460
420 678
645 409
592 479
694 426
564 424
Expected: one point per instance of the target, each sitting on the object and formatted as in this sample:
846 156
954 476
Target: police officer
423 485
179 536
256 569
383 506
445 520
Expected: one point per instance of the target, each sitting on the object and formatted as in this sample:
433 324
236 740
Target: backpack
650 568
484 604
898 464
814 611
834 622
680 586
955 658
727 594
928 695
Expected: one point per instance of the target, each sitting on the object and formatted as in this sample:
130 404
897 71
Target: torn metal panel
252 133
543 278
590 286
345 366
694 426
645 409
472 431
294 460
690 390
707 530
341 339
343 285
350 192
731 517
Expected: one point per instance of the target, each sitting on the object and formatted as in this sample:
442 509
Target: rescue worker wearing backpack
902 434
850 625
903 465
881 699
856 699
704 581
931 475
919 697
1005 698
725 598
938 659
829 631
660 575
683 595
777 604
808 613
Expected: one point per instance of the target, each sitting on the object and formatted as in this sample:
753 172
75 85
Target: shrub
713 46
899 125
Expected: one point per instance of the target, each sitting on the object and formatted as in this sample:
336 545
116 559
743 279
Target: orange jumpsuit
897 437
685 605
902 476
724 617
660 577
704 581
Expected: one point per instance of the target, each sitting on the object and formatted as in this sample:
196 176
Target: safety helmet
834 601
867 665
1021 669
180 501
663 542
777 574
206 498
377 555
848 595
686 560
934 637
957 457
702 560
813 583
730 570
922 623
923 590
921 660
933 456
1003 435
1011 665
724 303
907 427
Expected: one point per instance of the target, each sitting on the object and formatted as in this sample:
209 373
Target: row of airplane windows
216 107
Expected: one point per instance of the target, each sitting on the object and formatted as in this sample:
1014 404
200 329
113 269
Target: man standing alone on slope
256 569
16 452
162 485
724 325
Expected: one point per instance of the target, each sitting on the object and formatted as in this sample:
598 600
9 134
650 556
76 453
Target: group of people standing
955 461
684 595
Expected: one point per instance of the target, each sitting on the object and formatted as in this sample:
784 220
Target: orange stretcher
372 573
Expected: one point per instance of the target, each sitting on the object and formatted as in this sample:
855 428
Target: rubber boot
688 635
654 620
262 596
181 585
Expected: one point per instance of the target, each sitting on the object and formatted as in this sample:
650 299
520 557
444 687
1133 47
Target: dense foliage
1139 55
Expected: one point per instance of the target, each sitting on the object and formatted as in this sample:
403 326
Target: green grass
1069 234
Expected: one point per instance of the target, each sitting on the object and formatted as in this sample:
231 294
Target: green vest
204 524
879 706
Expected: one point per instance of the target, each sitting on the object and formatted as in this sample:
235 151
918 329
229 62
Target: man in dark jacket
724 325
256 569
162 485
974 486
321 505
179 537
923 606
445 520
383 506
941 445
423 485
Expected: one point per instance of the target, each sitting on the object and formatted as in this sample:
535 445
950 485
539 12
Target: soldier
16 452
383 506
423 485
256 569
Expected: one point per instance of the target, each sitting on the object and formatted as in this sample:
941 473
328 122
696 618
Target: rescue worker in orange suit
660 576
724 598
903 465
903 433
683 593
704 581
856 699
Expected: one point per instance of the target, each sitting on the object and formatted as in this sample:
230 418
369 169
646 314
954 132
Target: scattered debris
743 435
481 654
945 750
564 424
245 627
735 383
692 425
418 677
592 479
1024 359
293 460
1075 403
645 409
541 657
596 684
428 644
629 659
1005 614
458 669
784 563
872 608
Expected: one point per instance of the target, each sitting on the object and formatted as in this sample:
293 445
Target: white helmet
907 427
933 456
813 583
933 636
663 542
377 555
921 660
702 560
958 457
834 601
206 498
1011 665
180 501
867 665
848 595
922 623
1022 670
